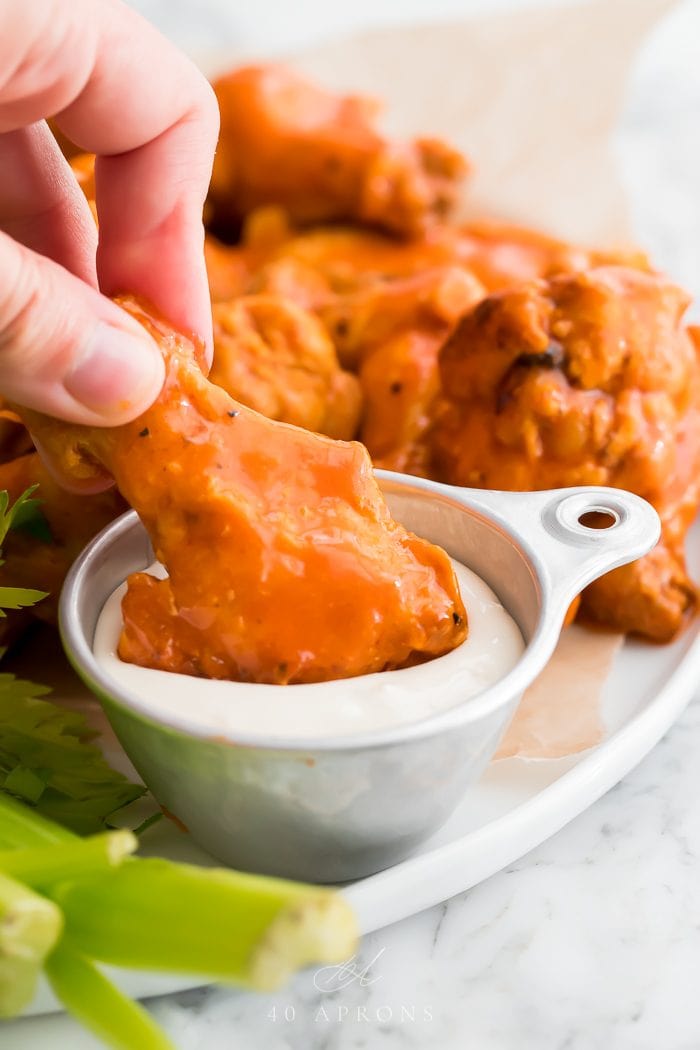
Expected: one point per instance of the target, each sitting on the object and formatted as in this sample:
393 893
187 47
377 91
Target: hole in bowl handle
569 547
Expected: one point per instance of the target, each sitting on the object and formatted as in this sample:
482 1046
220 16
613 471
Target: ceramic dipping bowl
329 809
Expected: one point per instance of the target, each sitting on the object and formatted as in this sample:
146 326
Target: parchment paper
560 712
531 96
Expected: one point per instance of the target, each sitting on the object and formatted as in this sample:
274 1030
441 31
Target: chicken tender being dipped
586 379
288 142
284 562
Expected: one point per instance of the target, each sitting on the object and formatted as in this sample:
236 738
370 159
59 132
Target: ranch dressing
343 707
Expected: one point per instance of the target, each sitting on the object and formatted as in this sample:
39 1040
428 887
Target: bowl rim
502 692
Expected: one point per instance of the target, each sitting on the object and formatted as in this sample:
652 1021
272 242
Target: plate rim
542 815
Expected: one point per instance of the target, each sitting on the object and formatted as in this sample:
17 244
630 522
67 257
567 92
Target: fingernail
118 373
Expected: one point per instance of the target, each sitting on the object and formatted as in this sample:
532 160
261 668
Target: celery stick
30 926
40 866
22 827
99 1005
249 929
156 914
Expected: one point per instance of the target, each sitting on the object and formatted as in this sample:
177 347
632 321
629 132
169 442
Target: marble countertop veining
592 940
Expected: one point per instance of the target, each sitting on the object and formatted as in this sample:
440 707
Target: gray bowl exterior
317 816
332 810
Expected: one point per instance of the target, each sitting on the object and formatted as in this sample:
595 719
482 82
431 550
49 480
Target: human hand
118 89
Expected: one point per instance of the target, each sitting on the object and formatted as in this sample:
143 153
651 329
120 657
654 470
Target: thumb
68 351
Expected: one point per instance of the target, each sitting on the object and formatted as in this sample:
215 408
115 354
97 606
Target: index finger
119 89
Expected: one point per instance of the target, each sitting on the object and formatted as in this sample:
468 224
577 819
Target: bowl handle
572 535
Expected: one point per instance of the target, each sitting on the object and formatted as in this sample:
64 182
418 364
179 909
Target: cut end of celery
30 926
118 845
318 929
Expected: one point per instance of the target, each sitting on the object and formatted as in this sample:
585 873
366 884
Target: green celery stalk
41 866
248 929
99 1005
30 926
156 914
21 827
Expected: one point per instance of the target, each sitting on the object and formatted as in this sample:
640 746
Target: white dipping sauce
350 705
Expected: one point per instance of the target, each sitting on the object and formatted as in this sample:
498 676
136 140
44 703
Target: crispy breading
277 358
286 141
586 379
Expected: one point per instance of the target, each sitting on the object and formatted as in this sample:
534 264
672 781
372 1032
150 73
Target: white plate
515 806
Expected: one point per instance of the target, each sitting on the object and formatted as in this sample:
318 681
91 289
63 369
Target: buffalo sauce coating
286 141
284 562
584 379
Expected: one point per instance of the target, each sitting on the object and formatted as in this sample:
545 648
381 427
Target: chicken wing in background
586 379
277 358
347 284
286 141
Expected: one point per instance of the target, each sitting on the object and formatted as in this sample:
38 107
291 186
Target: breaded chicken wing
586 379
277 358
284 562
502 255
389 305
345 258
391 332
288 142
229 270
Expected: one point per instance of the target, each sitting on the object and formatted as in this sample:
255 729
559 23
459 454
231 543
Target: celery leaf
48 760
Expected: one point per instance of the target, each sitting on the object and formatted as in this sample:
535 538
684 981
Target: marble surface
592 940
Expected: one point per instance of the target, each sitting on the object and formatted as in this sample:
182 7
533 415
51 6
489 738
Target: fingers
120 90
41 204
151 234
66 350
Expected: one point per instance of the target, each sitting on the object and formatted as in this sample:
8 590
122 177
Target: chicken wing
345 258
230 270
285 141
277 358
284 562
501 255
587 379
392 331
